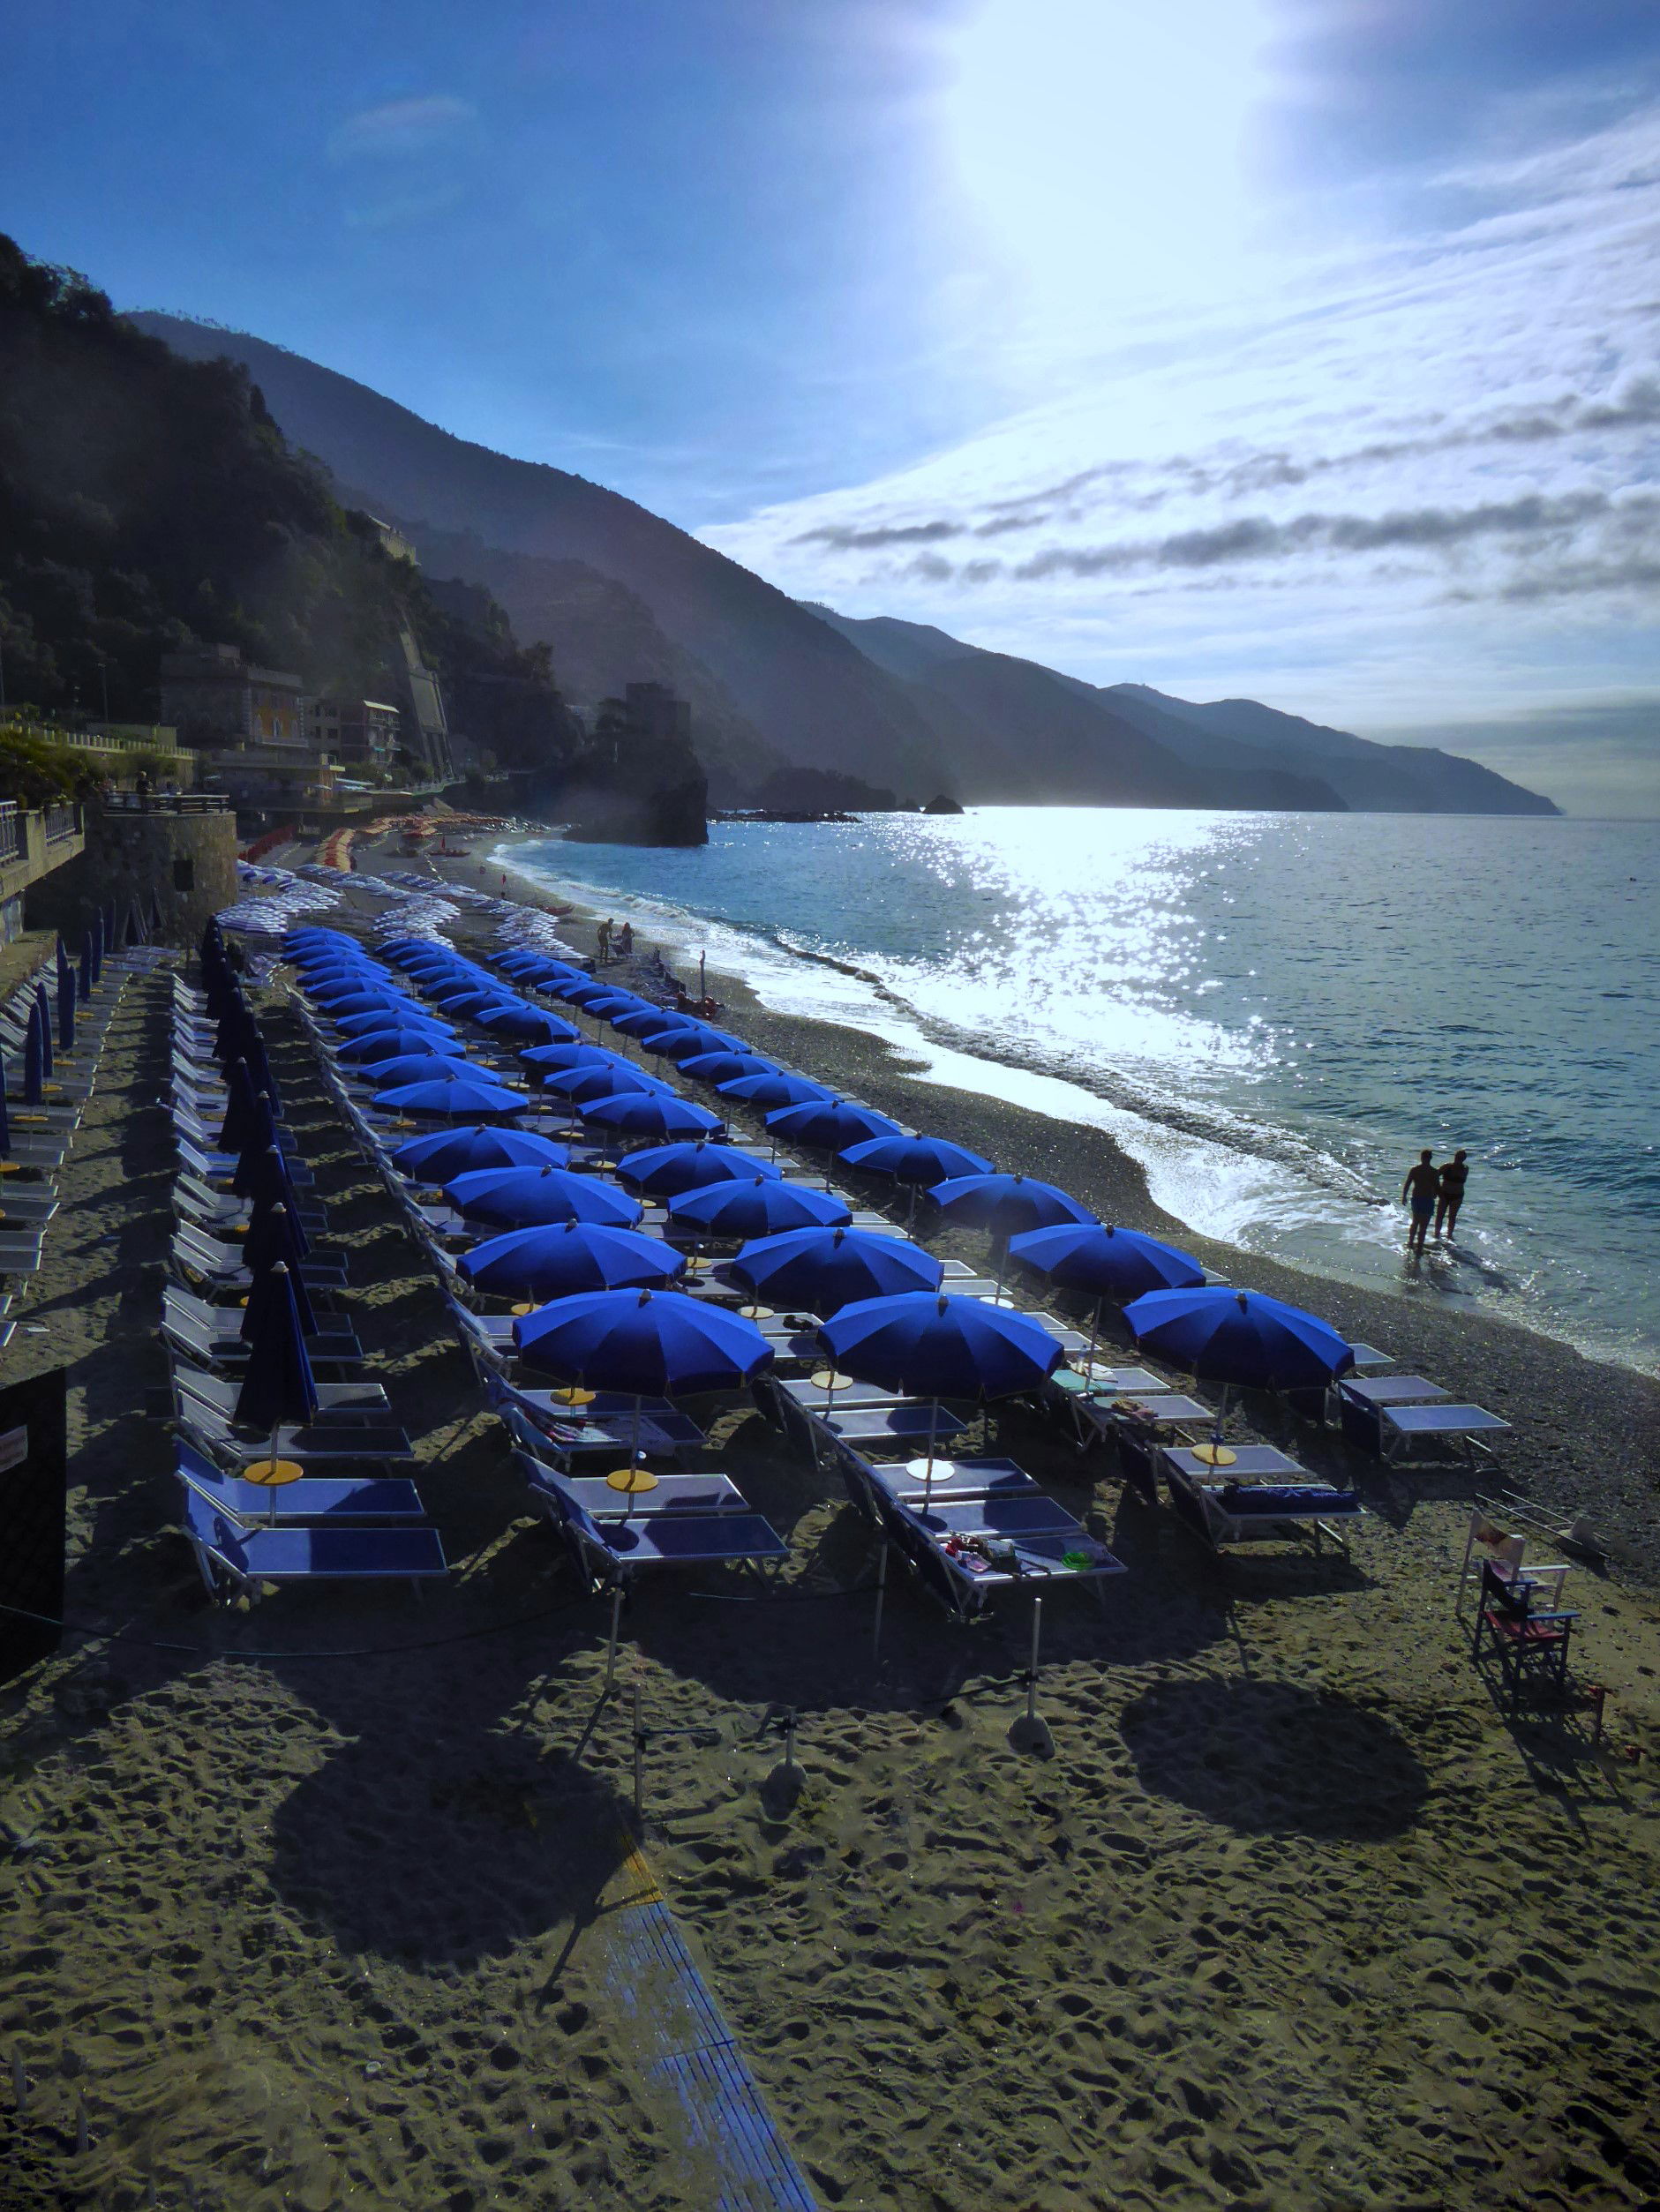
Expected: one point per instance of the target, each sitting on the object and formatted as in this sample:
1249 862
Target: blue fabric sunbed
233 1559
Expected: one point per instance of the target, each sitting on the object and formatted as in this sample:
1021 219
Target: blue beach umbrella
1240 1338
261 1177
65 1010
648 1113
827 1269
914 1159
612 1080
1105 1261
646 1020
86 965
828 1125
1006 1205
418 1067
1108 1264
456 1099
564 1259
666 1170
579 991
278 1385
525 1197
343 1001
763 1207
441 1155
258 1313
401 1020
65 966
932 1346
649 1344
5 1116
375 1045
617 1004
725 1067
527 1024
767 1093
545 1060
689 1044
239 1127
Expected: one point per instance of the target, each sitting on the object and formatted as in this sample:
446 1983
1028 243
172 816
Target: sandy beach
312 1905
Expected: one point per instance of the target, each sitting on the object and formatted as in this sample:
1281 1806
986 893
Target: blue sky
1299 347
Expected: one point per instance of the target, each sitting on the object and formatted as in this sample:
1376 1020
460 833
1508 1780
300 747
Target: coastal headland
313 1905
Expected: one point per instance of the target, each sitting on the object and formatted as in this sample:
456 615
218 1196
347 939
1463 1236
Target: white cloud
1405 480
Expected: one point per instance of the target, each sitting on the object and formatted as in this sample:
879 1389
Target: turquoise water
1274 1012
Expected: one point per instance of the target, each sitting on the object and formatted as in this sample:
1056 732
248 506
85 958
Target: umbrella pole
881 1593
271 1470
1000 1251
927 1472
1094 1334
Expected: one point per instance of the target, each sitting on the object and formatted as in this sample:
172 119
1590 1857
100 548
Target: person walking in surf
1420 1190
1453 1175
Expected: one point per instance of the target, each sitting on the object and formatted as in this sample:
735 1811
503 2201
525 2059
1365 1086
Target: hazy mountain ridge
770 679
814 696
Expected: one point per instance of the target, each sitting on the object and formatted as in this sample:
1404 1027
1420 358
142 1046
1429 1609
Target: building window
183 875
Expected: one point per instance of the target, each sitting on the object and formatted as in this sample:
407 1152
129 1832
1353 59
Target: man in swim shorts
1454 1173
1420 1189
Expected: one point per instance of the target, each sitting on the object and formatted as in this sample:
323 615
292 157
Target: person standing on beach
1420 1189
605 940
1453 1175
625 941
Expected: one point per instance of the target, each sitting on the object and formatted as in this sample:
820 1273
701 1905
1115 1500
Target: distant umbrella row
565 1235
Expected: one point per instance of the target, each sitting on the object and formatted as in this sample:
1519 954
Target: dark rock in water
942 806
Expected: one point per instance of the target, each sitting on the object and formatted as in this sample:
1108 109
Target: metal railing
61 822
166 803
13 844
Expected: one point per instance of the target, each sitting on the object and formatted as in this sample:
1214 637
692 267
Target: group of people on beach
612 939
1434 1194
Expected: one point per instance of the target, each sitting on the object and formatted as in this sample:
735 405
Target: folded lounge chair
234 1560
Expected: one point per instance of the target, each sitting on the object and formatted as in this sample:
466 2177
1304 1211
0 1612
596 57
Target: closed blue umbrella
86 965
274 1234
262 1177
240 1126
278 1385
766 1093
562 1260
440 1155
419 1066
41 1013
648 1113
98 947
725 1067
65 1011
33 1062
527 1197
1240 1338
5 1117
827 1269
455 1098
649 1343
763 1207
665 1170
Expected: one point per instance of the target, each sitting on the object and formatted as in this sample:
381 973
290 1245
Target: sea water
1272 1013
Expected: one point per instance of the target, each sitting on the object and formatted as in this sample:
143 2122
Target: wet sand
312 1904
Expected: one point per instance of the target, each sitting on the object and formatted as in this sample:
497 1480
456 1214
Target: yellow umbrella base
632 1480
1215 1455
272 1473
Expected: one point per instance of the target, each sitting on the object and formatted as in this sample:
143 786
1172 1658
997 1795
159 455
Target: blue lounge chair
607 1554
234 1560
292 1504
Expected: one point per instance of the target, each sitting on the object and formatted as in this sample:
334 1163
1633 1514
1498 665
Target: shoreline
1587 1437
